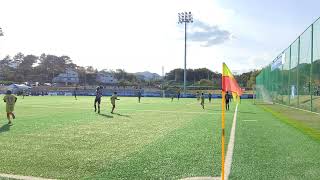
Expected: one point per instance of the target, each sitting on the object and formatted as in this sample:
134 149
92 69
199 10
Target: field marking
229 155
298 109
250 120
142 110
202 178
22 177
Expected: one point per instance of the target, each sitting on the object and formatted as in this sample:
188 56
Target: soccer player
227 99
10 101
202 100
198 96
113 99
178 96
75 93
139 95
210 96
98 98
23 93
172 97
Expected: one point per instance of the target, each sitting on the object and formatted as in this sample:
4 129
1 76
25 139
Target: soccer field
59 137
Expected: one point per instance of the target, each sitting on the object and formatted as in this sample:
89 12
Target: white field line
22 177
250 120
229 155
202 178
141 110
298 109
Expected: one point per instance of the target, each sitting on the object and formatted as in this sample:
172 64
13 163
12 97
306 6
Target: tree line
31 68
206 77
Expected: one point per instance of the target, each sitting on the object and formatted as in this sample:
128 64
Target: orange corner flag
229 83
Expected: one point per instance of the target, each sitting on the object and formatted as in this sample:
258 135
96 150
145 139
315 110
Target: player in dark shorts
139 95
98 98
227 98
179 94
210 96
75 93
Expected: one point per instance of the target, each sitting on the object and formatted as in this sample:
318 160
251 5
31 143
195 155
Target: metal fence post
298 103
311 69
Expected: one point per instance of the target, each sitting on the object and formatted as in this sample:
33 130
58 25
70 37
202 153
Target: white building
13 65
70 76
106 78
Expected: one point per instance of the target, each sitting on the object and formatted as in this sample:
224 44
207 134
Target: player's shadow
123 115
5 128
106 115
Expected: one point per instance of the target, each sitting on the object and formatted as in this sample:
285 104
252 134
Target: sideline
229 153
11 176
298 109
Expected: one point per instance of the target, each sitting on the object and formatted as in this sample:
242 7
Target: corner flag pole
222 126
223 134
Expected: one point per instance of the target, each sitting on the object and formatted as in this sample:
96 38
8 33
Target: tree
17 59
91 75
25 68
252 80
6 71
205 82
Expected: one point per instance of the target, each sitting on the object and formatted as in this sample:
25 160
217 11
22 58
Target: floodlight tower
185 17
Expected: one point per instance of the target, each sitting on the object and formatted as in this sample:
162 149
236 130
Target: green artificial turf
268 147
59 137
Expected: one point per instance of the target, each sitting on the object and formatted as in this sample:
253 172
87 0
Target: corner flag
229 83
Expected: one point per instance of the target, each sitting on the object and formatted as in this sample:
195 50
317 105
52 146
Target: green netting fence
293 78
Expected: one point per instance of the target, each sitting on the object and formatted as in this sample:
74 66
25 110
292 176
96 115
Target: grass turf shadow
5 128
106 115
123 115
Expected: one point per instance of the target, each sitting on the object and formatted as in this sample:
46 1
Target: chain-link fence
293 78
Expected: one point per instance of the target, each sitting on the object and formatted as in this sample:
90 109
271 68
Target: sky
144 35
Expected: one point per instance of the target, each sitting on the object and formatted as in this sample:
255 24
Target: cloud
208 35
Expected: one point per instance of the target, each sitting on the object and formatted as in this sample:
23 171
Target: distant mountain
146 75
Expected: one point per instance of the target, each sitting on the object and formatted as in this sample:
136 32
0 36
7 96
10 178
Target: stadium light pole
185 17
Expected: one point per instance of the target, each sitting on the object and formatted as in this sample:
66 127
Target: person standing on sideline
202 100
227 99
210 96
179 94
10 101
